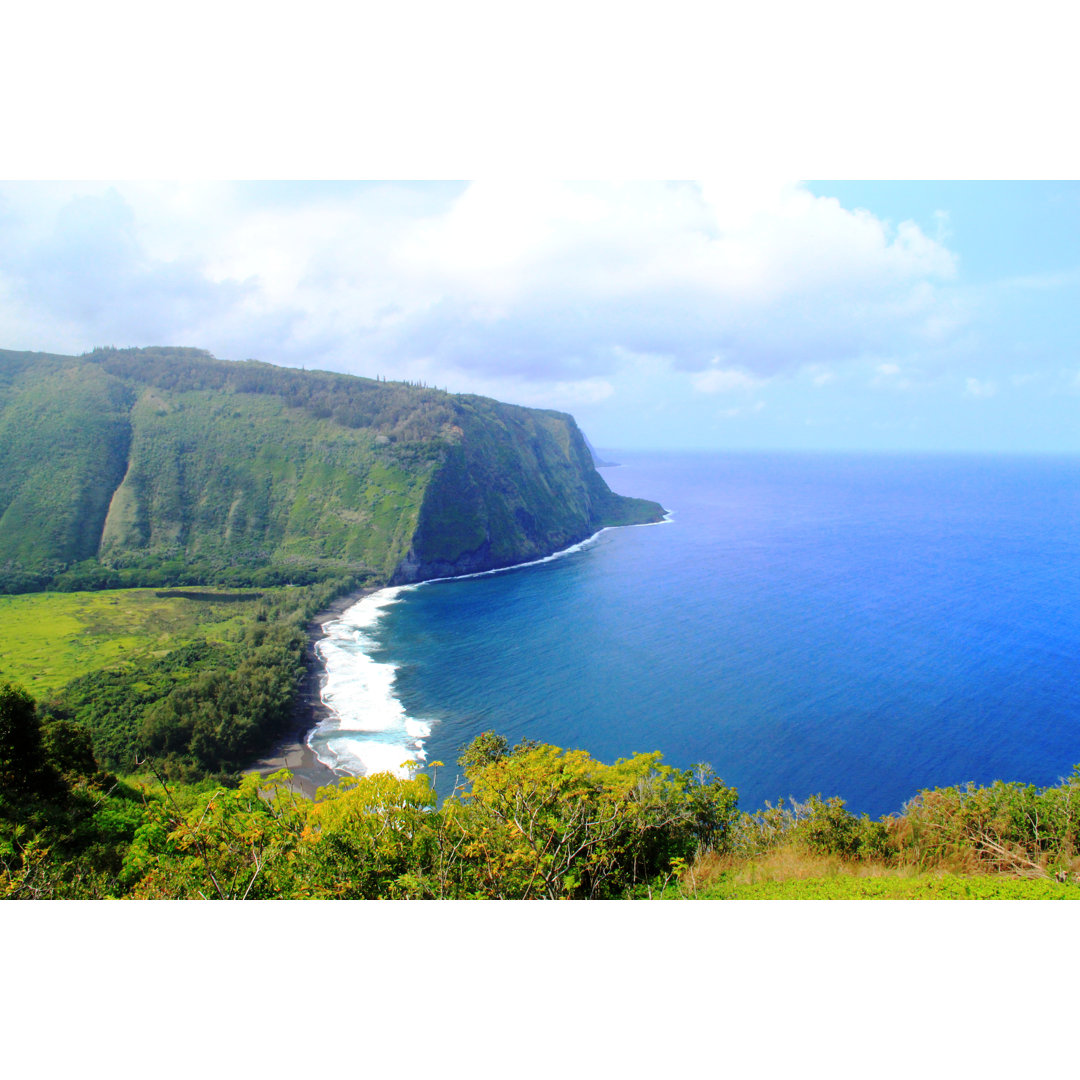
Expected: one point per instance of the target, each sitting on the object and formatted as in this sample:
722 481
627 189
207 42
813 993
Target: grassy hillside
1004 841
64 436
253 480
168 466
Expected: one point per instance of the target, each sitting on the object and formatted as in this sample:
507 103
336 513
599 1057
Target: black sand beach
292 752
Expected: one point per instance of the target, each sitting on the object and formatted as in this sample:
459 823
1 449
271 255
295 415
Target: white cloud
502 284
891 376
980 388
566 395
820 376
723 380
741 410
1040 282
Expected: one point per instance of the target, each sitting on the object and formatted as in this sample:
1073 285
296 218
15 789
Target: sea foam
369 730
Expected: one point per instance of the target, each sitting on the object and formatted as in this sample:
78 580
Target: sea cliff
169 466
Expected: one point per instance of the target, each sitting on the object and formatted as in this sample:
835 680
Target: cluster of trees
66 826
205 708
214 700
146 571
1005 828
401 410
532 822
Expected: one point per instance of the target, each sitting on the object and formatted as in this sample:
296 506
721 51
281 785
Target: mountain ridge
171 466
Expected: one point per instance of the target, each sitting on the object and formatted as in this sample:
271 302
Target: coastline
292 751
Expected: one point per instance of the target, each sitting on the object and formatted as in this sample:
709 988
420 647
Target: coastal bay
843 624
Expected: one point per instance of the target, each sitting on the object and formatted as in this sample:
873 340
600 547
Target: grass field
48 639
894 887
789 873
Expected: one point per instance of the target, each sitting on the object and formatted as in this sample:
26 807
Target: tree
69 747
225 845
24 771
546 822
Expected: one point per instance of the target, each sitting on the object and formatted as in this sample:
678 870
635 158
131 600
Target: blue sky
732 314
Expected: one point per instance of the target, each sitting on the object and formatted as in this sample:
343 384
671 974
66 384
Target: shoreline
292 751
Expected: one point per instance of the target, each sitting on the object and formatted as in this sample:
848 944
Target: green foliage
486 749
1005 827
69 747
534 821
537 822
63 823
376 838
161 467
205 707
202 680
541 822
1020 832
818 826
217 719
228 845
64 437
519 484
24 771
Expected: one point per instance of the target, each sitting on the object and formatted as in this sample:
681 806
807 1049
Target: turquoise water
858 626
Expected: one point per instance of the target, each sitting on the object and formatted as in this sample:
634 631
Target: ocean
852 625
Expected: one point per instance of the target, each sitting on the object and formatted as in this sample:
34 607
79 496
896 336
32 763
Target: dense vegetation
1005 840
165 467
529 822
201 680
201 709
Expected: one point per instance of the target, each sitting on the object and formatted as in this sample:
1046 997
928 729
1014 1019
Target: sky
729 314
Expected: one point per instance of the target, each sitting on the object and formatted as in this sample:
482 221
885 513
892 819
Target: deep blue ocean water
861 626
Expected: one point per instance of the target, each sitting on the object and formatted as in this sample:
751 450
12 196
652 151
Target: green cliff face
161 465
517 484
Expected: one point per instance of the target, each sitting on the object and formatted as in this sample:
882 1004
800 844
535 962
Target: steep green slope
64 438
519 484
247 477
159 466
